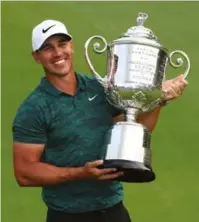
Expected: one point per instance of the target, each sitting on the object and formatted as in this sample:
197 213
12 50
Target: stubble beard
57 74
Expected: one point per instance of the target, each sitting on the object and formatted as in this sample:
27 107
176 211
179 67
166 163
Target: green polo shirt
74 130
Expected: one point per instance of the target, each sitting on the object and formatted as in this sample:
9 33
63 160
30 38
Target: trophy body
135 74
136 64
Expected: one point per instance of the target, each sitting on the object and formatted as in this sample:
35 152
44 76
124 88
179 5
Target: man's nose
57 51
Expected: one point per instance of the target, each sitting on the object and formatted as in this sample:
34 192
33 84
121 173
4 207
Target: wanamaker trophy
136 65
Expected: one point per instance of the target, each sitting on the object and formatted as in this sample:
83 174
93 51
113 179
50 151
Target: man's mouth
60 62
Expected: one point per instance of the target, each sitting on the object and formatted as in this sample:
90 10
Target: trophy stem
131 114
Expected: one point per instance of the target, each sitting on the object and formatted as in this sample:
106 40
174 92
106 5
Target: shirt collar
81 83
48 87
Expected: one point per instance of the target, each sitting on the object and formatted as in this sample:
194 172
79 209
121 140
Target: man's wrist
163 103
80 173
73 173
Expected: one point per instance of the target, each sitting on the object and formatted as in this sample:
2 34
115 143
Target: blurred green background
174 195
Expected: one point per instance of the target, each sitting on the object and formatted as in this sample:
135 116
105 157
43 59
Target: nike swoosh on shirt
45 30
92 98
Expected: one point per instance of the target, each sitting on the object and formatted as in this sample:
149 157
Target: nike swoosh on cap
45 30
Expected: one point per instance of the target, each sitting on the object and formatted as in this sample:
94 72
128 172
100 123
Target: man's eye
46 48
62 44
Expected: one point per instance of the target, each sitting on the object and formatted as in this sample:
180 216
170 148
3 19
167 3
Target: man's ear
35 55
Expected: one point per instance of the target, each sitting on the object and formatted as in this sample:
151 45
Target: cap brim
68 36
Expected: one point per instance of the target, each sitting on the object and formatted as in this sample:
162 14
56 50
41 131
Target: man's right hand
91 170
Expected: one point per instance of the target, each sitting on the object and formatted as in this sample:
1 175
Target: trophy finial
142 17
140 31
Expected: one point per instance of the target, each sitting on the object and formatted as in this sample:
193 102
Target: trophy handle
96 47
179 61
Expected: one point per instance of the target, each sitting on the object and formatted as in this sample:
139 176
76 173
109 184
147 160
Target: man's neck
66 84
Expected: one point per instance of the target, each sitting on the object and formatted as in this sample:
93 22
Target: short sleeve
29 125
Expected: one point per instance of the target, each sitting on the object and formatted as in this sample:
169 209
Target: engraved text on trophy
142 64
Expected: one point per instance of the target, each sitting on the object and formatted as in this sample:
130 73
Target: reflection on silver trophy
136 64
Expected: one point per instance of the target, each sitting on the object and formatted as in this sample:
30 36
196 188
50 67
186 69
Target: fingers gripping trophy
136 64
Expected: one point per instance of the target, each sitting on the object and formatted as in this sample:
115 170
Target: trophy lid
139 35
140 30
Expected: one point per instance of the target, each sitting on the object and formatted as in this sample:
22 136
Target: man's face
56 55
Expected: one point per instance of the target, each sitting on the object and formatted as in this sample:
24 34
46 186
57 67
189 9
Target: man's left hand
173 88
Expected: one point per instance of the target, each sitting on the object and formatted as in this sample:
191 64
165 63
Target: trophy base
133 171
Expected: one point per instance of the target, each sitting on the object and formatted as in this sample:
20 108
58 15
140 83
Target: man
59 135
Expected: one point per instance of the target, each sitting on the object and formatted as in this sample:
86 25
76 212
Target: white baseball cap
46 29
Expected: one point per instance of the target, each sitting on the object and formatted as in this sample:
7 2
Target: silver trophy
136 64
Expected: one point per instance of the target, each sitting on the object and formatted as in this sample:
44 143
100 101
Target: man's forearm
149 119
42 174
